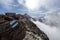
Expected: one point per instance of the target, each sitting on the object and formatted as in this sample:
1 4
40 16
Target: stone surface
24 30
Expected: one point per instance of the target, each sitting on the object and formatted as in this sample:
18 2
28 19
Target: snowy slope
52 32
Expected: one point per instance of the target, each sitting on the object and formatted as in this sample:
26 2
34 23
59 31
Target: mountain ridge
23 30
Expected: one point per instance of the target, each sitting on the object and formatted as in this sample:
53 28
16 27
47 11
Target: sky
32 7
22 6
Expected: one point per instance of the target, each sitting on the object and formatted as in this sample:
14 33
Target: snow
53 33
13 23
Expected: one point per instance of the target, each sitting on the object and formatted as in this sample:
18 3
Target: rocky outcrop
19 27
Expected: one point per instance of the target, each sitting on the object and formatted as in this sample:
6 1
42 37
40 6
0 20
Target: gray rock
24 30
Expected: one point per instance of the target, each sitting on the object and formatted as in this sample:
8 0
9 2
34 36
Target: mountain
19 27
29 17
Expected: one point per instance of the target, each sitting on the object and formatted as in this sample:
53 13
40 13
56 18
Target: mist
51 31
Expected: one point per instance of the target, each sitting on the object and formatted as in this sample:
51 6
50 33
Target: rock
23 30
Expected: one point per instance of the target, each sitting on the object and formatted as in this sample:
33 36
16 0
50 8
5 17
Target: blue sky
32 7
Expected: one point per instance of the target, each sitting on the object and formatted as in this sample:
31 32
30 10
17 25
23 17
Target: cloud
52 13
52 18
53 10
52 4
31 4
35 5
8 4
51 31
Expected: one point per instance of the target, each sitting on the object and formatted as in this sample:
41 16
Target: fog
52 32
52 18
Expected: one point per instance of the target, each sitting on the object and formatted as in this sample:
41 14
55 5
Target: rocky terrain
18 27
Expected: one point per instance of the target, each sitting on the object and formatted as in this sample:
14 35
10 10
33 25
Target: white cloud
31 4
53 13
51 31
36 4
6 3
53 18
